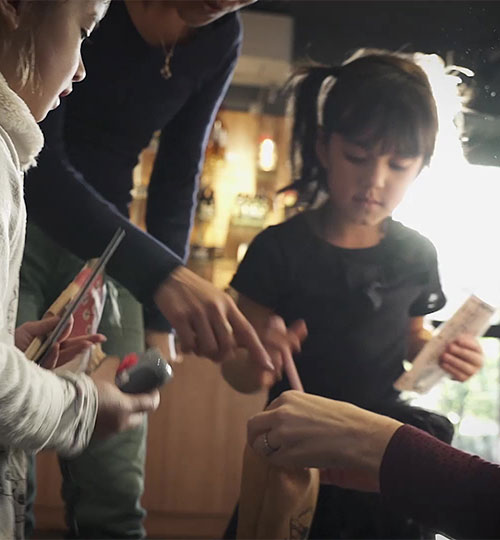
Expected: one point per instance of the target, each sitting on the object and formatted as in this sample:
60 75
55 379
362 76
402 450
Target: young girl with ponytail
344 272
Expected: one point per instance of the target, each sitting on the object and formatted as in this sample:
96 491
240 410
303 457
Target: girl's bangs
395 117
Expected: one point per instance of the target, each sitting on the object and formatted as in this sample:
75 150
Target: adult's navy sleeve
455 493
174 181
432 297
69 210
261 275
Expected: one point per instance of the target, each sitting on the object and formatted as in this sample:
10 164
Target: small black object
150 372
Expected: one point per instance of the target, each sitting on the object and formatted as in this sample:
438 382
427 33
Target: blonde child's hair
31 13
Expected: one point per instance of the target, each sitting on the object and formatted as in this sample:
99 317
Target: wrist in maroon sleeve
449 490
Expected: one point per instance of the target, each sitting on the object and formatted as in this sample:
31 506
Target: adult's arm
444 488
70 211
206 319
456 493
174 181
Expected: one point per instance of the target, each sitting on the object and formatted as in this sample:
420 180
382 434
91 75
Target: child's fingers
67 330
67 352
456 367
276 356
43 327
293 342
287 341
74 346
296 335
71 347
282 338
468 342
267 379
455 374
93 338
471 356
51 357
292 373
277 349
281 343
299 328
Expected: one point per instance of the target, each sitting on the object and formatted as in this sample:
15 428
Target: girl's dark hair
379 97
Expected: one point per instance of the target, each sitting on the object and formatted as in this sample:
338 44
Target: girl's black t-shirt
357 304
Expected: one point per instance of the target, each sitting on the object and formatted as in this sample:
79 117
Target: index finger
67 330
246 337
44 326
292 373
93 338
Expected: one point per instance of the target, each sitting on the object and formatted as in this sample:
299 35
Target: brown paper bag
275 502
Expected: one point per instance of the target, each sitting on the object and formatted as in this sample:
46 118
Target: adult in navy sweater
151 66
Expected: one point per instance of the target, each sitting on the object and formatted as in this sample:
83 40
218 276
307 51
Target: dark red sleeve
454 492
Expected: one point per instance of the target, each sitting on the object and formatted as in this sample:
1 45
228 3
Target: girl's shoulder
292 231
409 243
296 223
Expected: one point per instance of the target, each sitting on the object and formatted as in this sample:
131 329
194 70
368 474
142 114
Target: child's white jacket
38 409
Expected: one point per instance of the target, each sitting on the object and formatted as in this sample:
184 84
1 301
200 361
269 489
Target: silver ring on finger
268 449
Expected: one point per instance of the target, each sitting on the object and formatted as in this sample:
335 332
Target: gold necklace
166 70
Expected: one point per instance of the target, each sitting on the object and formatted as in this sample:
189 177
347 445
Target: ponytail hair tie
324 90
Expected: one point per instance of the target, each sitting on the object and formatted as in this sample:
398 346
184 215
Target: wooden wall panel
195 444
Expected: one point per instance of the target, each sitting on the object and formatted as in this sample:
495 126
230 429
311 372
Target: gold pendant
165 71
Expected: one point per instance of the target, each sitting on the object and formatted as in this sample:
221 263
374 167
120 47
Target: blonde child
39 61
